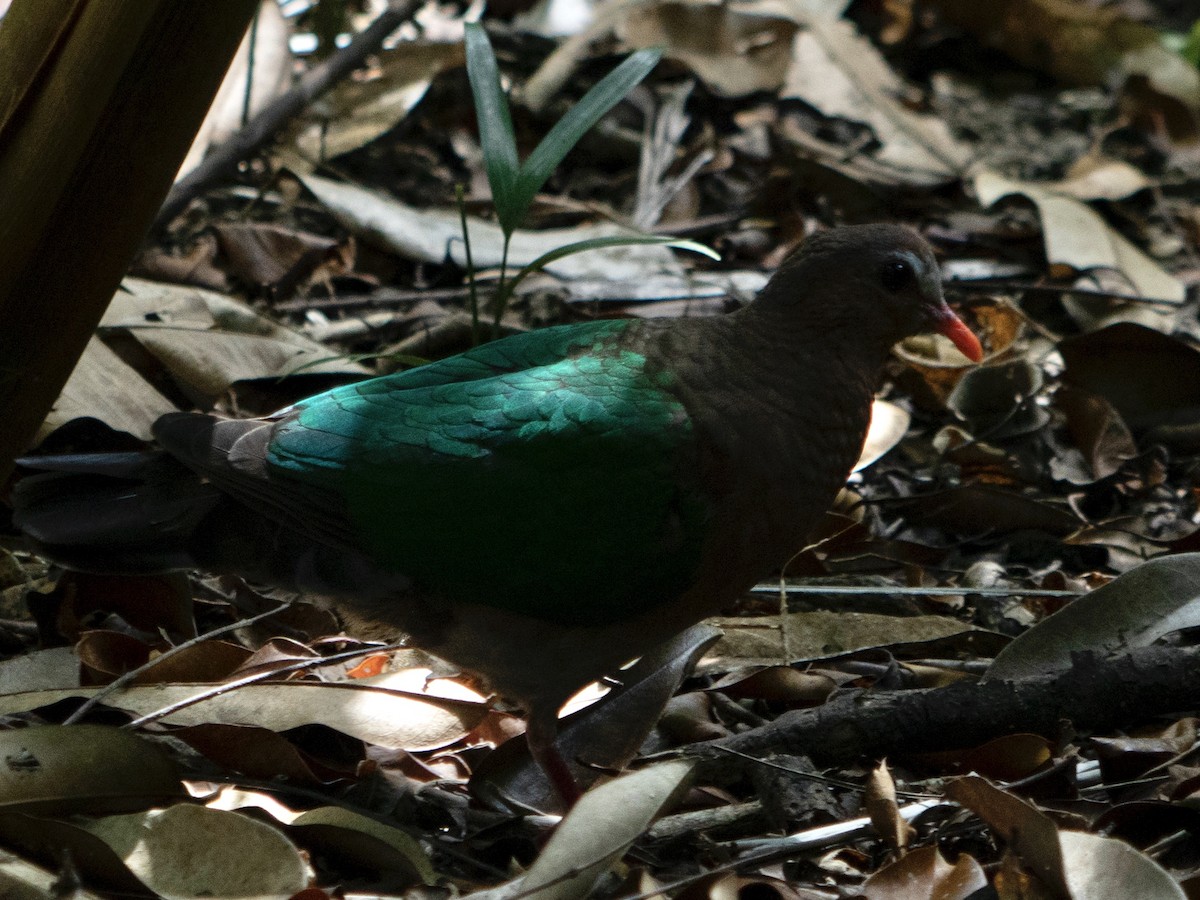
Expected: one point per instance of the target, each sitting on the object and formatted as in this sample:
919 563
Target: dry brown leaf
357 111
364 841
106 387
1135 610
1077 865
842 74
596 833
924 874
1007 758
208 341
879 798
889 424
432 235
734 49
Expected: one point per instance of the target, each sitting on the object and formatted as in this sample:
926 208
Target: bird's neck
780 418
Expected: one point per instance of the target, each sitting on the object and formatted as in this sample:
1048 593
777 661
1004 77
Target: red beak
947 323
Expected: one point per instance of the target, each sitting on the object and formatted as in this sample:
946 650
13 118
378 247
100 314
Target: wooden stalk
99 102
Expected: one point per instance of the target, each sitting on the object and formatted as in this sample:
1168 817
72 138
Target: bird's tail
130 513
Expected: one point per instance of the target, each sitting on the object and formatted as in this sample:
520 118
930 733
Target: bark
1095 694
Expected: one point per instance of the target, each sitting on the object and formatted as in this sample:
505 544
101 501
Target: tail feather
134 465
115 512
143 513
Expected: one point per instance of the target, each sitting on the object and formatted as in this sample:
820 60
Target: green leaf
1191 47
617 240
496 136
570 128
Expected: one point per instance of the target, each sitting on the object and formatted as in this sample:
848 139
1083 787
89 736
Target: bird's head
880 279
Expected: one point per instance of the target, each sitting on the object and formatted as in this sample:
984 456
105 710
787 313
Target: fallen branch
1095 694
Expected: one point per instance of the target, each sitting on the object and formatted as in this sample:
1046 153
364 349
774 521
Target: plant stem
502 288
472 294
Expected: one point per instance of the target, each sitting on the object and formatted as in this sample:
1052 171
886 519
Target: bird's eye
897 274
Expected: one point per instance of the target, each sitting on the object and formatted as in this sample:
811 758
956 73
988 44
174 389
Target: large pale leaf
208 341
82 767
889 424
605 735
433 235
1078 238
366 841
1073 864
771 640
104 386
840 72
1156 598
735 49
188 851
364 110
383 717
596 833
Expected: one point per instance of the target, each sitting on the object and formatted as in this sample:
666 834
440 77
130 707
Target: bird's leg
541 732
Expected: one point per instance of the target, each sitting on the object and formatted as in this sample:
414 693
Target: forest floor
897 715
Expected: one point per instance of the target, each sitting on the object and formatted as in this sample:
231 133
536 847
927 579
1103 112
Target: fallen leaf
607 734
1000 401
105 387
1139 607
734 50
187 851
889 424
924 874
208 341
879 798
353 838
596 833
838 71
63 768
1077 238
770 640
357 111
1151 379
434 235
388 718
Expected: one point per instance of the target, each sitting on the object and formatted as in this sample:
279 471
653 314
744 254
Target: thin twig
383 297
218 690
850 590
223 160
1004 284
109 689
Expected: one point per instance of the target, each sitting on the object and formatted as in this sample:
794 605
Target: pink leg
541 730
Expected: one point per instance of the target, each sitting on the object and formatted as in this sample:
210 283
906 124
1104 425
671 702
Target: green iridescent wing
547 474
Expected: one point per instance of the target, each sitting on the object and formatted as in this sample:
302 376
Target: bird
540 509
